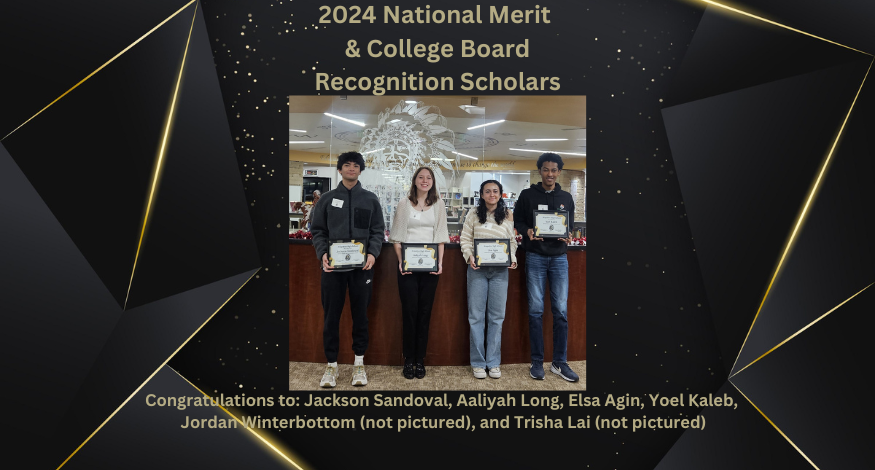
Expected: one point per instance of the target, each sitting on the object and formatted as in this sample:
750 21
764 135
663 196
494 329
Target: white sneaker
495 372
329 378
479 372
358 376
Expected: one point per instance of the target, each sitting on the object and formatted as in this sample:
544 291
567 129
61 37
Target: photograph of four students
351 212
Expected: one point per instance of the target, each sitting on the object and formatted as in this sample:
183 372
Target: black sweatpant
334 285
417 296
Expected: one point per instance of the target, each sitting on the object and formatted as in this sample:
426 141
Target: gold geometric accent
804 212
725 7
160 160
98 69
156 370
272 446
802 329
777 428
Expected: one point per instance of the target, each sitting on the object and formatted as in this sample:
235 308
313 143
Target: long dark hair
432 196
500 209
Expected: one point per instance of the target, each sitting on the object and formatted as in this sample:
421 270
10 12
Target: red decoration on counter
574 241
301 235
579 241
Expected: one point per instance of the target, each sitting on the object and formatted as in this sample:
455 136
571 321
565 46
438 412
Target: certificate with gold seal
492 252
419 257
551 224
348 254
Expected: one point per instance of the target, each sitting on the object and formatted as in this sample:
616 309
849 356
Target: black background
706 130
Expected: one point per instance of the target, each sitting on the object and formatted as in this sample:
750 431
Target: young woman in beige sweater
487 286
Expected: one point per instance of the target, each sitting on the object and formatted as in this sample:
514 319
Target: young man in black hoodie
348 212
546 259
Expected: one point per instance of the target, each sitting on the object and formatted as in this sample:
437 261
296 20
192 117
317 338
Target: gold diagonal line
259 436
160 160
776 427
726 7
801 330
804 212
156 370
98 69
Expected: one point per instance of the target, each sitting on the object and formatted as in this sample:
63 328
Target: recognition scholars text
433 52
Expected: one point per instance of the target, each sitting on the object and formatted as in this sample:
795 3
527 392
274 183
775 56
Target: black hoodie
524 217
358 217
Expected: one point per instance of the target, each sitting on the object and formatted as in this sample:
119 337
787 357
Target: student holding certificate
347 232
489 246
543 213
419 231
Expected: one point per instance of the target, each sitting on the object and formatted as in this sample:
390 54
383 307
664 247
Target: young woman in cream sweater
487 286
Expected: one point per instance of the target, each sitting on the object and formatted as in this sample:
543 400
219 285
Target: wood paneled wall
448 342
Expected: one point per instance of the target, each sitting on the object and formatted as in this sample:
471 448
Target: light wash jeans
487 298
539 269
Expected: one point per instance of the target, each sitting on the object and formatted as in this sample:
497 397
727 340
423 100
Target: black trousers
334 286
417 296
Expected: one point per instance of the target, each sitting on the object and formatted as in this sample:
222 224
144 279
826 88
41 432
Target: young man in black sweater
546 259
348 212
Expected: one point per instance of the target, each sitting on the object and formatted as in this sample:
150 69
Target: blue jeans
487 298
539 269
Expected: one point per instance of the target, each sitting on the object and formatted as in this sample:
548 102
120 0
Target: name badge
541 207
416 216
339 202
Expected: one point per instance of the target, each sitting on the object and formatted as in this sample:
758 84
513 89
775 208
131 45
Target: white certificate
419 258
343 254
492 252
551 224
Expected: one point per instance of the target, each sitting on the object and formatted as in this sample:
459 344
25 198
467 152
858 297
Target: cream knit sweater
474 229
398 234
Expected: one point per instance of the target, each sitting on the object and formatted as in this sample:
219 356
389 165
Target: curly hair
500 210
351 157
550 157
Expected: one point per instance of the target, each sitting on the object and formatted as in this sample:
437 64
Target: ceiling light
407 101
372 151
542 140
487 124
306 141
296 130
345 119
549 151
394 120
463 155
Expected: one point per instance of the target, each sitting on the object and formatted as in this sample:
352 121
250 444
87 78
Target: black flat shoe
409 371
420 370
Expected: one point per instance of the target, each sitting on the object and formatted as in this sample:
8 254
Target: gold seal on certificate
416 257
347 254
491 252
551 224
